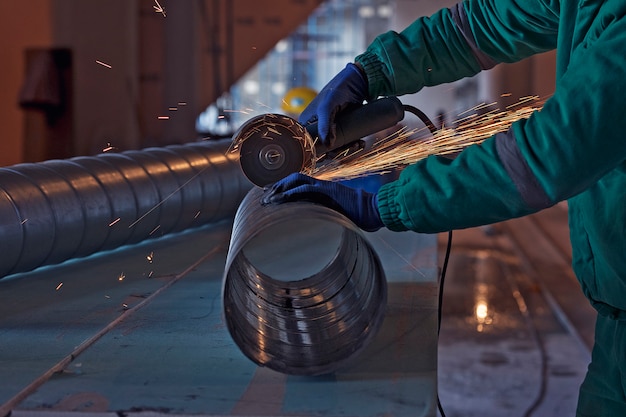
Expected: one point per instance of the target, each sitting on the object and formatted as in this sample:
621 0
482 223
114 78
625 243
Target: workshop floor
516 333
139 331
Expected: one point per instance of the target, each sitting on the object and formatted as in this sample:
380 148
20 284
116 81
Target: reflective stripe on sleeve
515 165
460 19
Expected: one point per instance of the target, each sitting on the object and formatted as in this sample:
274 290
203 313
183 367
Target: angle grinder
272 146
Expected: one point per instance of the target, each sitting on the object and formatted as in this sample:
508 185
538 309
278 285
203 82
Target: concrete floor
139 332
515 335
516 332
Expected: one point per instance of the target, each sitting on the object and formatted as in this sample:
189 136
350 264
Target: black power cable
444 268
442 279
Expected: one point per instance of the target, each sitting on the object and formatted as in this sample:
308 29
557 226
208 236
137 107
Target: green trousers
603 392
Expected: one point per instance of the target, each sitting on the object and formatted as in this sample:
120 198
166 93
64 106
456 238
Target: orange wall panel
23 24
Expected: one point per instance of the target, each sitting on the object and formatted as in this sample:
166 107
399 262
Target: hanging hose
61 209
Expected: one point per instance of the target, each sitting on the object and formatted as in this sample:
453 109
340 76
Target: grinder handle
354 124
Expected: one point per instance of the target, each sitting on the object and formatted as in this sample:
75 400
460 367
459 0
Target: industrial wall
22 24
137 76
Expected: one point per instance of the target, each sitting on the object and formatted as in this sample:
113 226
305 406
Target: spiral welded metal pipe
62 209
304 292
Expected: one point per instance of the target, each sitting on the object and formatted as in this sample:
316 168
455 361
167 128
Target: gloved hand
347 88
358 205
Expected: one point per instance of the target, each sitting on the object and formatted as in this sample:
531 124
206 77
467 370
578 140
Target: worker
573 149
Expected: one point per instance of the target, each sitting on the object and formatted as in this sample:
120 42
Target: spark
265 105
197 214
181 103
150 257
245 111
270 129
104 64
121 277
407 146
109 148
59 286
159 9
150 274
172 108
159 204
163 118
115 221
24 221
155 229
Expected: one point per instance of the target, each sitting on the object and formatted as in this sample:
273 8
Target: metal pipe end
303 291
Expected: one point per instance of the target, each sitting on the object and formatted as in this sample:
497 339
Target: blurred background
82 76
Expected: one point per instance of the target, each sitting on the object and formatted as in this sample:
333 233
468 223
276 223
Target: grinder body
273 146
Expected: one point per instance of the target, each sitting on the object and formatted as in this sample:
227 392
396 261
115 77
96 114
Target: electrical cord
442 279
519 299
422 116
444 268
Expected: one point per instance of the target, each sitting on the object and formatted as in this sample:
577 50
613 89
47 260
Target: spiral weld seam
56 210
309 326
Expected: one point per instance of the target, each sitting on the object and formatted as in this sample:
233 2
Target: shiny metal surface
272 146
59 209
303 290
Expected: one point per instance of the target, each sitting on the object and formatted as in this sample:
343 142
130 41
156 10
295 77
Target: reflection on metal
61 209
303 290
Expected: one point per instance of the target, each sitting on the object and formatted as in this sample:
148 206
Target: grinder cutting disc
273 146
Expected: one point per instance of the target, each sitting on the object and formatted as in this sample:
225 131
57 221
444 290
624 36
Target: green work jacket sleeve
568 146
458 42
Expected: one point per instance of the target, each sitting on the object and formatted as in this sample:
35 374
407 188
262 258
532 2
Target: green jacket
573 149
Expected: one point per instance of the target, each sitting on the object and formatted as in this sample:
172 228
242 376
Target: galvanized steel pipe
303 290
61 209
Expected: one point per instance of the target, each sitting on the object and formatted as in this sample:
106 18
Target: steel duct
61 209
303 290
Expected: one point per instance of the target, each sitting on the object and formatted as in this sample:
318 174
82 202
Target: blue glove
356 204
347 88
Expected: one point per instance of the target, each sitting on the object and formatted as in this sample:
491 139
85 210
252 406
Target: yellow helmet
296 99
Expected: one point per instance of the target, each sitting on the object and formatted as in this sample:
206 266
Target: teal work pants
603 392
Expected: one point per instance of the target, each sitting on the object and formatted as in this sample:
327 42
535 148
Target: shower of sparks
104 64
407 146
159 9
266 125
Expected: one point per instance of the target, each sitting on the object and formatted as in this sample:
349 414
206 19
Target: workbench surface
139 331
